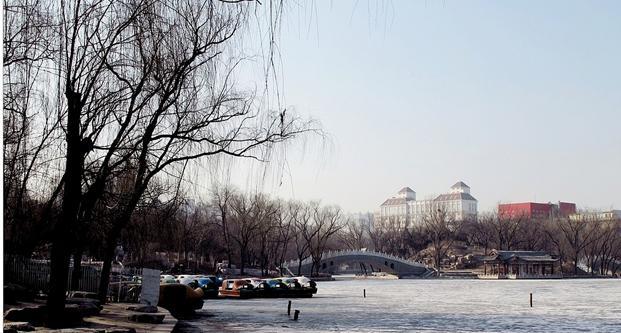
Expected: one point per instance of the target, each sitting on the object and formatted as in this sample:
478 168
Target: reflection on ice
430 306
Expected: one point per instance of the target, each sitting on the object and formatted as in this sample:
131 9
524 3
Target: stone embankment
112 318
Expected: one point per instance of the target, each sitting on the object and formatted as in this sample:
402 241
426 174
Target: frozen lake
430 306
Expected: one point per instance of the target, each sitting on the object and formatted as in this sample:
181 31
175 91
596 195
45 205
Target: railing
35 274
340 253
29 272
513 276
125 285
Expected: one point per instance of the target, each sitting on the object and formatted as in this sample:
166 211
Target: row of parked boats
218 287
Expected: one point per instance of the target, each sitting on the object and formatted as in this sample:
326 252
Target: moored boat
274 288
209 287
217 280
236 288
180 298
259 287
166 279
299 286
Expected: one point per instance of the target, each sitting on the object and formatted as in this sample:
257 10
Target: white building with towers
407 211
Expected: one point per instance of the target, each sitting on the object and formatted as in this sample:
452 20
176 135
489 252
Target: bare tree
280 234
301 215
441 228
354 234
481 231
556 239
507 231
221 199
154 227
193 110
145 83
578 234
30 124
86 47
609 247
249 213
327 221
266 212
376 233
382 234
276 236
594 251
532 234
392 236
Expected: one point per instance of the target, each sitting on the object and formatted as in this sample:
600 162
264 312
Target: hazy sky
519 99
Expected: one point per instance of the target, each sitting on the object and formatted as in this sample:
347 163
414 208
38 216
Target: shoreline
347 277
114 317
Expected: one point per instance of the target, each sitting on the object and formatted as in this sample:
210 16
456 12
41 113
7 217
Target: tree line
584 240
254 230
244 229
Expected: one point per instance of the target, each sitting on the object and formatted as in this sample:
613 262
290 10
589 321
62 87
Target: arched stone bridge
369 261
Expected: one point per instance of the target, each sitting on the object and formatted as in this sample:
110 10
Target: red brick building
536 210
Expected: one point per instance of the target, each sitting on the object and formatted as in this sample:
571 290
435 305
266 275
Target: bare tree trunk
299 265
111 242
63 230
242 263
105 273
576 258
227 242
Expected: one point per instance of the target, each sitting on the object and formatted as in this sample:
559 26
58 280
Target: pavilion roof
531 256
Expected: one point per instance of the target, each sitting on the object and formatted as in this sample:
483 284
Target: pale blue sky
519 99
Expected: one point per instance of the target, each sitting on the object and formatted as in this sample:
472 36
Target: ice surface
588 305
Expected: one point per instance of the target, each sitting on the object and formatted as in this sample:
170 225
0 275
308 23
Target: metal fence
35 274
125 284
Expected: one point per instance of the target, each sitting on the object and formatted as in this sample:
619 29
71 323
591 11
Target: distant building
520 265
536 210
405 210
610 215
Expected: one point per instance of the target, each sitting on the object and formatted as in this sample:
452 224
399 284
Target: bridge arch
369 261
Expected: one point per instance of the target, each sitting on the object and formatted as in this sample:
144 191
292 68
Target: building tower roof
406 190
455 196
460 184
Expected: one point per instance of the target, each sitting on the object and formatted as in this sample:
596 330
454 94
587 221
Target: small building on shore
520 265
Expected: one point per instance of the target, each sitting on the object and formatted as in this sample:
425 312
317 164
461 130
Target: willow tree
30 124
144 87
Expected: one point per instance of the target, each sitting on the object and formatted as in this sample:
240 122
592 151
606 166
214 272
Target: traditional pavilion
520 265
